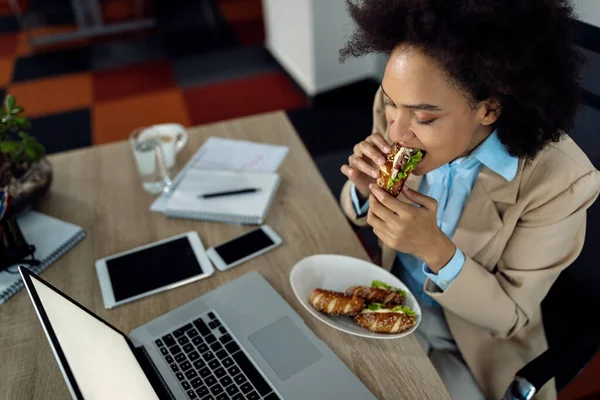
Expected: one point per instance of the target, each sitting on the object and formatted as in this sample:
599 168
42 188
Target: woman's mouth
413 147
420 165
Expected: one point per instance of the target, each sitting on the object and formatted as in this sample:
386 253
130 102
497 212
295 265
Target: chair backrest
586 133
578 287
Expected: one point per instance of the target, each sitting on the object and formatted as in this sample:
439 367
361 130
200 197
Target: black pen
229 193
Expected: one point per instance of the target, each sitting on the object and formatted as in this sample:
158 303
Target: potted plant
24 172
25 176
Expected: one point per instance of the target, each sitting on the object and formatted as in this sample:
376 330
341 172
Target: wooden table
99 189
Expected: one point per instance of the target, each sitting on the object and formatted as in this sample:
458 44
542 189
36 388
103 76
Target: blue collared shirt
451 186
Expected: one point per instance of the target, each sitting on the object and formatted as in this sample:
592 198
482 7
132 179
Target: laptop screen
99 358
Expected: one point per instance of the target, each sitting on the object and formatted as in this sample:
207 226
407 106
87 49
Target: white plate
334 272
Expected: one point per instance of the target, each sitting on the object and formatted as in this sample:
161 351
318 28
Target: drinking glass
150 159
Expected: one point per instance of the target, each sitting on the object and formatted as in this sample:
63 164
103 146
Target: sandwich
378 292
400 162
336 303
378 318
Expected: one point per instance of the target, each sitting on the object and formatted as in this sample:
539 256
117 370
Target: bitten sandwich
377 318
378 292
336 303
400 162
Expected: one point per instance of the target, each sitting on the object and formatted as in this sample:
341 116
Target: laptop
239 341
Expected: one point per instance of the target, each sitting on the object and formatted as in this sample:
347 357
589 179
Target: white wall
289 38
332 27
380 64
588 11
305 37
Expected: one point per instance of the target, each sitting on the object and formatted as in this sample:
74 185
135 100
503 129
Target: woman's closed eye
427 122
388 103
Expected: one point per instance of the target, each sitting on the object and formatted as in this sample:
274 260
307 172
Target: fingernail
374 174
380 161
387 148
371 186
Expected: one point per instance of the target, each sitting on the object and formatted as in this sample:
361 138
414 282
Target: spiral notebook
250 208
52 239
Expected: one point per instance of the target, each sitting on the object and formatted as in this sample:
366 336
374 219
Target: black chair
568 313
575 296
572 331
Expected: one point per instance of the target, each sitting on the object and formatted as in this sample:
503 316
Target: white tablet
151 269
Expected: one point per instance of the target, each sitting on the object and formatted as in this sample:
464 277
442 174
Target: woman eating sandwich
478 98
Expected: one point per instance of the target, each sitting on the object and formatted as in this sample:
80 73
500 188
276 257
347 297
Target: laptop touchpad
285 347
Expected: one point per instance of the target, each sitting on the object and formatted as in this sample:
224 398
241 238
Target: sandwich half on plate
378 318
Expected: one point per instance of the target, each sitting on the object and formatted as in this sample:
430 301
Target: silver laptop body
239 341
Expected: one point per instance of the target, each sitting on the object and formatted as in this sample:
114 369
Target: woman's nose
400 132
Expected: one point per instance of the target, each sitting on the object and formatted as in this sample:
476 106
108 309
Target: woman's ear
491 110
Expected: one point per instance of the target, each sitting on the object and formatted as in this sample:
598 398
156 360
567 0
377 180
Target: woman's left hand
410 229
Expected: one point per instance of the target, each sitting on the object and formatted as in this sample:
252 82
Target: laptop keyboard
207 361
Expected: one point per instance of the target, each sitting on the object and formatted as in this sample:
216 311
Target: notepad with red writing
249 208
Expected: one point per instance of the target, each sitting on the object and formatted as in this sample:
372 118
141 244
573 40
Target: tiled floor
97 91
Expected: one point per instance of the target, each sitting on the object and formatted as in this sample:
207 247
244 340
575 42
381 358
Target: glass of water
150 159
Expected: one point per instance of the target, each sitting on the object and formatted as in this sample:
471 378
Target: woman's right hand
362 168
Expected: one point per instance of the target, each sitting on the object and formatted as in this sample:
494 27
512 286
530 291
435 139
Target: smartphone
152 268
243 248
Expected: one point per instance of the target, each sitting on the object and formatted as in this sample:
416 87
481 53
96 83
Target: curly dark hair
516 52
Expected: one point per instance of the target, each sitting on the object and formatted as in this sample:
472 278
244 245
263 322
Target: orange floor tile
252 95
7 65
8 44
110 122
131 80
54 95
250 32
123 10
6 9
586 384
241 10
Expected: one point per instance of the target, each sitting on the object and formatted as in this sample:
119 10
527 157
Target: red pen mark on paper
250 164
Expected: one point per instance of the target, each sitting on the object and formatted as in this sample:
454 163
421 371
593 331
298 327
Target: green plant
15 142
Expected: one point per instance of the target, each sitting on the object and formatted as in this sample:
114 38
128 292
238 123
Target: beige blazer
517 237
